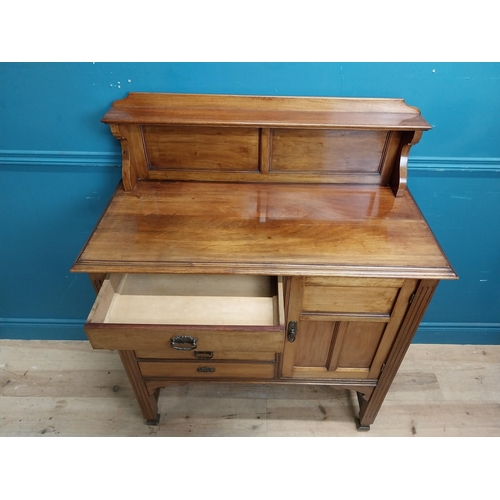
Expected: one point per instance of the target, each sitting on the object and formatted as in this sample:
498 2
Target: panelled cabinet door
345 327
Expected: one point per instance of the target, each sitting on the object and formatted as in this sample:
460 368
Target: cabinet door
345 328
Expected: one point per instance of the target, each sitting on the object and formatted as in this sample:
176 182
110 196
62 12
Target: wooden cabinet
262 239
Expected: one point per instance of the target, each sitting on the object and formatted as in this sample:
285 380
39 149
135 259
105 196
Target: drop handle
292 331
204 354
183 343
205 369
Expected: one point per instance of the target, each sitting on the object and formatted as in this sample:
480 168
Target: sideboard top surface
256 228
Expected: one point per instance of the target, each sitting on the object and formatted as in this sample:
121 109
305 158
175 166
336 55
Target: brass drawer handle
205 369
204 354
292 331
184 343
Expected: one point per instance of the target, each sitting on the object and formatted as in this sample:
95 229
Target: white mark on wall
129 80
433 70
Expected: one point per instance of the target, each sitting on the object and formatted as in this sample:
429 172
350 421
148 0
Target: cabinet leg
369 408
362 402
148 403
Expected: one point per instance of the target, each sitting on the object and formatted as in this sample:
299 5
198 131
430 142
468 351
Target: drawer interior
189 299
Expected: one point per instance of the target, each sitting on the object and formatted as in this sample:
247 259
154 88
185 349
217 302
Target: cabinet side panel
414 315
97 280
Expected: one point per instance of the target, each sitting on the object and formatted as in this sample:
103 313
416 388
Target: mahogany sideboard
262 239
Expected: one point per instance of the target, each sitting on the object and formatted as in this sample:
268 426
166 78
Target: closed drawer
193 370
350 295
219 355
172 314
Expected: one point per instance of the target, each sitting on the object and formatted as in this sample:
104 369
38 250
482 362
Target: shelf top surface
265 111
288 229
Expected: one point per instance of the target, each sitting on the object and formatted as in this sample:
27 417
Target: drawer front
206 370
204 355
160 338
354 296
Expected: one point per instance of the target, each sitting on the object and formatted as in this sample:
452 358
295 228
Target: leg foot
154 422
361 427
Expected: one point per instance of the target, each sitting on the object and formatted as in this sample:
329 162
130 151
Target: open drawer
165 315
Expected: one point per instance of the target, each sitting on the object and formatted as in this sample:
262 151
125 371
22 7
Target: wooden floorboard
51 388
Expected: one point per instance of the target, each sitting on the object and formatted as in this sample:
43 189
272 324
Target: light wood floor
52 388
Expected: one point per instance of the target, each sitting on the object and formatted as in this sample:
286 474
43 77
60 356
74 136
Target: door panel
350 347
313 343
359 344
337 349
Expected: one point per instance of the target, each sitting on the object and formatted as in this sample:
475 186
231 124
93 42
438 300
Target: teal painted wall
59 167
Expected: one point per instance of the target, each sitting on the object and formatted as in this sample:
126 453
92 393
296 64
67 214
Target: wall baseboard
427 333
458 333
41 329
105 159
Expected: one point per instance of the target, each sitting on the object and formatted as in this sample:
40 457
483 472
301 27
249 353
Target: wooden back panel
265 139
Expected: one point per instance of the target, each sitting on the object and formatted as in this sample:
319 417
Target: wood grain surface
321 230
